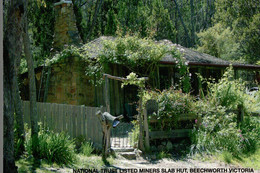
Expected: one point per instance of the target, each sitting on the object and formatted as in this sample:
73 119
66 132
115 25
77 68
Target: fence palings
74 120
179 133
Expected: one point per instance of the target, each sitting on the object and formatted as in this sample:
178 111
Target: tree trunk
89 17
9 164
207 15
78 16
192 23
19 123
176 25
98 5
183 24
12 50
32 89
18 114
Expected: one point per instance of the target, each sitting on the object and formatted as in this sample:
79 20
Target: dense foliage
142 56
172 105
216 128
228 30
176 20
41 17
235 34
219 129
53 147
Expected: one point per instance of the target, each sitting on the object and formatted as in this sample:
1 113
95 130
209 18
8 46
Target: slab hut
67 83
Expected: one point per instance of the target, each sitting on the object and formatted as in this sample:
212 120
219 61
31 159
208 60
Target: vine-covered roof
193 57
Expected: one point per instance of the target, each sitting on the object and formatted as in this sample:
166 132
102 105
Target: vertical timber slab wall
75 120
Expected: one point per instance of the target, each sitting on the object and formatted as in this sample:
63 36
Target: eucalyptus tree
32 86
239 21
12 50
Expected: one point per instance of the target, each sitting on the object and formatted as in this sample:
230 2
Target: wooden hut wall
115 90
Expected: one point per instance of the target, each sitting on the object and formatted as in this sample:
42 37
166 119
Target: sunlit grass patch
242 160
26 164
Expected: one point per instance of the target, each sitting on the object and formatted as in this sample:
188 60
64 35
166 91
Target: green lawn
92 162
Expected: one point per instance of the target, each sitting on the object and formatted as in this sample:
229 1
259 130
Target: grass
250 161
53 147
94 162
26 164
227 157
245 161
162 155
87 149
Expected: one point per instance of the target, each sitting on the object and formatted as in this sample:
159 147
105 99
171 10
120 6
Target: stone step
123 149
128 155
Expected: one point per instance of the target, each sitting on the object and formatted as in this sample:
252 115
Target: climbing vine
142 56
132 79
139 55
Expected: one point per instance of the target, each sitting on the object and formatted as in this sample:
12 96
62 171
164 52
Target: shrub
18 142
252 101
228 92
218 130
250 130
171 105
53 147
86 148
134 135
162 155
227 157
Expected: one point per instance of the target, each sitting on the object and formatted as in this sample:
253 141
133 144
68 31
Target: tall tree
41 17
183 24
32 87
12 50
19 123
237 24
79 18
97 8
192 22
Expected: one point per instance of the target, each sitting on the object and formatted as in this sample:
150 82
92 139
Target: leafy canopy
235 32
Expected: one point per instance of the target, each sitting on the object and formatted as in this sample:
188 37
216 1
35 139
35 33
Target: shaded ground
140 162
95 162
167 163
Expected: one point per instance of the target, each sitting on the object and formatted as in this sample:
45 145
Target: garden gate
122 136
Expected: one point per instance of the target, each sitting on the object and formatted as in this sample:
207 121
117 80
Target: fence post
240 115
140 140
107 98
146 130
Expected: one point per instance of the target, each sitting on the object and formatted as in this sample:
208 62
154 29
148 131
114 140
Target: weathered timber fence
177 133
75 120
160 134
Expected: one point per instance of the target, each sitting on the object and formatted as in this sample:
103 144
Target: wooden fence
75 120
177 133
